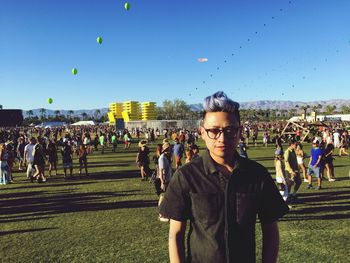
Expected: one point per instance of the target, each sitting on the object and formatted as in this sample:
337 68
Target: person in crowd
51 151
221 194
292 170
82 155
242 148
4 167
300 159
343 145
188 154
142 160
328 161
39 163
314 167
29 158
20 153
114 142
102 142
67 159
127 139
195 151
179 150
165 175
280 174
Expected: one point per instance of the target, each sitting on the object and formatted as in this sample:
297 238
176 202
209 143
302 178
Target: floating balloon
50 100
74 71
99 40
127 6
202 60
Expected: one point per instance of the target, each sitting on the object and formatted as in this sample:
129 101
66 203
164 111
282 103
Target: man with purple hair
221 194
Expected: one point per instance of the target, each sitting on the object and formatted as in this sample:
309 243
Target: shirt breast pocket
246 207
205 208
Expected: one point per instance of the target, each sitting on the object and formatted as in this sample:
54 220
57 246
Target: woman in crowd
142 160
328 161
39 163
300 159
343 144
51 151
4 167
82 154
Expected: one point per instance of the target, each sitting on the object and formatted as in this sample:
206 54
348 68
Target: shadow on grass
322 206
116 175
68 203
22 231
52 182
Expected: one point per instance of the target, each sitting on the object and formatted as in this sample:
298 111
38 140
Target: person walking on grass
315 165
292 170
142 160
221 194
29 158
51 151
165 175
82 155
67 159
4 167
328 161
178 149
39 163
20 153
300 159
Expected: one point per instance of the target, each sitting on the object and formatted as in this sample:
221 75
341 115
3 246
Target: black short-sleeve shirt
222 217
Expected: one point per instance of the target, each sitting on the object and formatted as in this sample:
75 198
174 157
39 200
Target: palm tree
97 113
57 112
30 114
330 109
42 111
84 115
70 113
304 108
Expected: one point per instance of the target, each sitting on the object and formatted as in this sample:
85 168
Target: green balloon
127 6
99 40
74 71
50 100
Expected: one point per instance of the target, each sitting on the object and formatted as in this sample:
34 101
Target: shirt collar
209 163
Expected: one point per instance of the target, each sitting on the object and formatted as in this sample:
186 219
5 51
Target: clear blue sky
150 52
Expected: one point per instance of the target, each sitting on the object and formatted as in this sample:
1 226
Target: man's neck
225 165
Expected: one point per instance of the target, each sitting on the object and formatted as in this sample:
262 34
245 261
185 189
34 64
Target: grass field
111 216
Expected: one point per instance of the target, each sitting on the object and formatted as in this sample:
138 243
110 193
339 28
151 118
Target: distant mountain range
260 104
283 105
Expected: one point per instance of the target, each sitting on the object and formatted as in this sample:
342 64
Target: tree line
178 109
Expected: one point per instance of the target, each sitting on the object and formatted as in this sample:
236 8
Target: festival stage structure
11 118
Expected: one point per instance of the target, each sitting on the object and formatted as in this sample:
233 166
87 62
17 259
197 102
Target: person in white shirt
29 158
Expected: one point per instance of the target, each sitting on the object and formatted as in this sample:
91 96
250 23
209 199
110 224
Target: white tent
83 123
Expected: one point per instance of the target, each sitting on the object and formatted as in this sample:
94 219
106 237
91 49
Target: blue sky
256 50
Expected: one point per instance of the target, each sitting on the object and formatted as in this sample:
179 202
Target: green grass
112 216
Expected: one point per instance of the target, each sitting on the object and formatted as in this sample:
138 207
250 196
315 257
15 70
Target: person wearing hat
165 174
221 194
142 160
315 164
292 169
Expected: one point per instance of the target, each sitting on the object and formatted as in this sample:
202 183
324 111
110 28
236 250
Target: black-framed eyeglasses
214 133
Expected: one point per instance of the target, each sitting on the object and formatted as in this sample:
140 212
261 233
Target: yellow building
132 108
132 111
149 111
116 108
